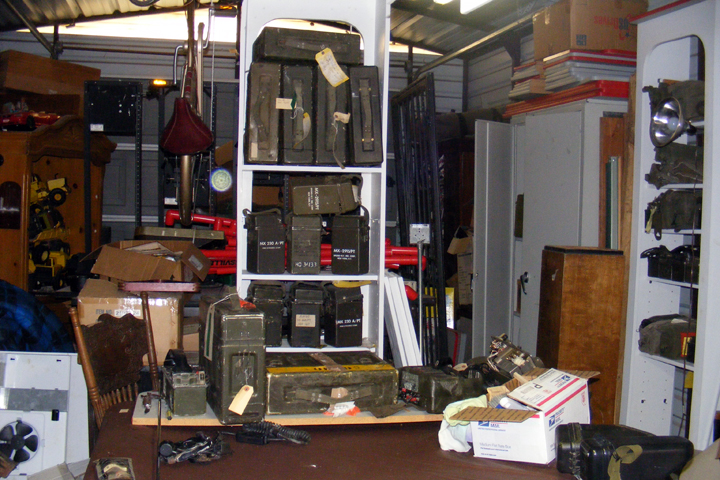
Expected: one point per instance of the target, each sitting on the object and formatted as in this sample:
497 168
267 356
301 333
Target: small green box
185 392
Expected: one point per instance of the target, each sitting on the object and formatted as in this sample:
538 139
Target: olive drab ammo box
331 143
325 194
263 118
298 132
312 382
302 45
365 116
232 352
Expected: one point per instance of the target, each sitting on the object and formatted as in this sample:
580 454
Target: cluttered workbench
341 451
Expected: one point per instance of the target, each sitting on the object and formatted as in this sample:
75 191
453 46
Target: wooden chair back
111 354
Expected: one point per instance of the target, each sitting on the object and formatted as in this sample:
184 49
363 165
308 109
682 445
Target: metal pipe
36 33
185 194
199 71
486 39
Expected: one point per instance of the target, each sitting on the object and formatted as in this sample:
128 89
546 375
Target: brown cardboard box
134 261
35 74
166 311
586 25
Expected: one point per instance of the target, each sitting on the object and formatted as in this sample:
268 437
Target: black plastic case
660 457
586 451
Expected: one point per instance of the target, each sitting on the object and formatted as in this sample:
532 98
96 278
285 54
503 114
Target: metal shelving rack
665 51
371 18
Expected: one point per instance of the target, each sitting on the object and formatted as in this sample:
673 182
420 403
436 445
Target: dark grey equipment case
269 298
350 253
332 141
312 382
587 451
263 118
302 45
232 352
343 319
297 141
305 314
435 389
304 234
365 116
265 241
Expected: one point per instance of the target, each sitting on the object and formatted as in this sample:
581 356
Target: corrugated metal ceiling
420 23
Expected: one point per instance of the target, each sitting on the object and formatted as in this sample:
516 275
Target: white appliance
43 411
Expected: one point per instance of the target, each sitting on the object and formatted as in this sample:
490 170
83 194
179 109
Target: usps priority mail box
555 398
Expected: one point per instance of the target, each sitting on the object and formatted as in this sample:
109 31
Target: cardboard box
166 311
586 25
147 260
529 435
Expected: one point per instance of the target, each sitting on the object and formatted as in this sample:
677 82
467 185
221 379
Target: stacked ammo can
232 351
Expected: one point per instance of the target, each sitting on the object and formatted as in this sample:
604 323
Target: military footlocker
232 352
343 316
263 117
303 45
312 382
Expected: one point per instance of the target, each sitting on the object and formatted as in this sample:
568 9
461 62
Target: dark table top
347 452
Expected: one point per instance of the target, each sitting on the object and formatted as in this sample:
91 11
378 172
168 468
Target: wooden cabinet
54 151
581 293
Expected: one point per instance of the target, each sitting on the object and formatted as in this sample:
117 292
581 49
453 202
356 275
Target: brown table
347 452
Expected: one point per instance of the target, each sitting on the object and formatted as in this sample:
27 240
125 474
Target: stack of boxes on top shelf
583 49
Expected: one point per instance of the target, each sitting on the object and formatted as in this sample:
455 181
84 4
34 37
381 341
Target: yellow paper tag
283 103
330 68
241 400
341 117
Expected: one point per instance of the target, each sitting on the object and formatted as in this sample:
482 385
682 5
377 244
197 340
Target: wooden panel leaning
111 354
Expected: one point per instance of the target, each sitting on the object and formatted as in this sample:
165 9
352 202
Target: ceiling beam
446 13
493 38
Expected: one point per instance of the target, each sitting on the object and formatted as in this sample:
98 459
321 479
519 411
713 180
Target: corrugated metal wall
489 76
448 80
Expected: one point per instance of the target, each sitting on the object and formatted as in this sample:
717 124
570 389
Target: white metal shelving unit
665 51
371 18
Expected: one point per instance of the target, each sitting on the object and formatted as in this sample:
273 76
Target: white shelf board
310 169
322 277
682 186
672 282
675 363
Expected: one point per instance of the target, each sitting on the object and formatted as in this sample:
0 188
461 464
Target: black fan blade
6 449
21 456
6 434
31 443
23 429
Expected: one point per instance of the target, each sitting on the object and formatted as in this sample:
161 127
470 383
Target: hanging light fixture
681 112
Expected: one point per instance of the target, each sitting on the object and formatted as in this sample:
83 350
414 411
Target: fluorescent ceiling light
443 2
467 6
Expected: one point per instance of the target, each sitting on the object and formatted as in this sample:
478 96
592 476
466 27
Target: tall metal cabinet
667 44
371 18
552 157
